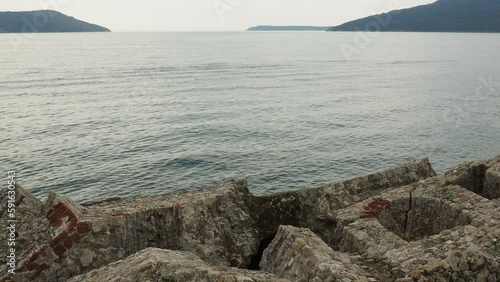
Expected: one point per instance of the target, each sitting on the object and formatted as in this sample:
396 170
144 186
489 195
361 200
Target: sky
210 15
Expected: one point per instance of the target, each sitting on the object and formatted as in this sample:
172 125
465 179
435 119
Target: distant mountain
440 16
287 28
44 21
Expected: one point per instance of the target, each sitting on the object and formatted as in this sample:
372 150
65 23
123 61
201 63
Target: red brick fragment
60 212
75 237
373 209
68 243
83 228
59 250
31 266
21 269
42 268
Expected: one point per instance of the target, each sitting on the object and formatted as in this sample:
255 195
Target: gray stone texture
402 224
154 264
300 255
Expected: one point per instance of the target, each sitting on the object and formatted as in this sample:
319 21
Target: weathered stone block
315 208
492 182
86 258
61 212
417 217
299 255
167 265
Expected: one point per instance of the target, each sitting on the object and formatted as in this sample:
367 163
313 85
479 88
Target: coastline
402 224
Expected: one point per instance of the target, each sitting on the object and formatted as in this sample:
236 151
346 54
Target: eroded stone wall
401 224
154 264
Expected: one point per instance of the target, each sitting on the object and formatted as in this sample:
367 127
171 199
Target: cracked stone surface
216 224
446 222
492 182
300 255
402 224
415 218
154 264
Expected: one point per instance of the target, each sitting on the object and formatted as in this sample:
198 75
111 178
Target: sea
101 115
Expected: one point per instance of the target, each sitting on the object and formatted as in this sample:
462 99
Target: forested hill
440 16
44 21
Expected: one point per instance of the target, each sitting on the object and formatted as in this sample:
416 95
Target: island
44 21
287 28
440 16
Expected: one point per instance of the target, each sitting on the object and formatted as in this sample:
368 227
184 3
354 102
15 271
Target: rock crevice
407 214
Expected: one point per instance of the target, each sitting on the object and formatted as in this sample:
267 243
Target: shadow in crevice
255 261
473 179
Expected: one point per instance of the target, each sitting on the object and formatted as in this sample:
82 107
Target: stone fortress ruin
403 224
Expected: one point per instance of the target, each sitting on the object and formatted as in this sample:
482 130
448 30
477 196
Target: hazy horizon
210 15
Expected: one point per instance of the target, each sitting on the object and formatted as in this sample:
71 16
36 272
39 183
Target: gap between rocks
407 215
255 261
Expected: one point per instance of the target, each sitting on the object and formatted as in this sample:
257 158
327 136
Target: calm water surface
105 115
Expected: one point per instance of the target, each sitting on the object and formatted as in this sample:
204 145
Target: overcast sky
207 15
